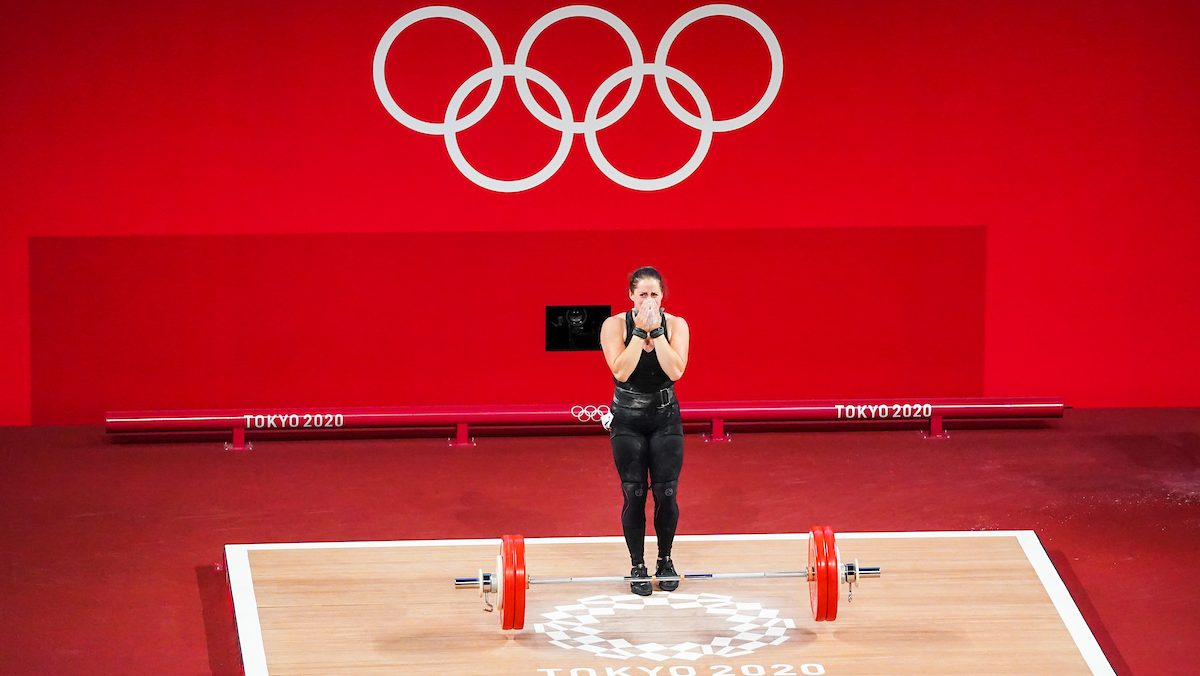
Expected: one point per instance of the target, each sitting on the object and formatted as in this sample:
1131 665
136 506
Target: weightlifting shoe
640 587
666 568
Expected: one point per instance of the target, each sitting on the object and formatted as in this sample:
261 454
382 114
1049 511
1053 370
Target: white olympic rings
590 413
592 121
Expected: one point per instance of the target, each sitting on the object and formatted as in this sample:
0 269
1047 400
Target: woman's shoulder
674 319
676 325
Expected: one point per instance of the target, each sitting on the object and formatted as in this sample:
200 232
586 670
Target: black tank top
648 376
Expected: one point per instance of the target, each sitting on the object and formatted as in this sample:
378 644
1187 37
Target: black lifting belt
630 399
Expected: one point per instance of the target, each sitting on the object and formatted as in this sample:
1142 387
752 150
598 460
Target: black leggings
648 442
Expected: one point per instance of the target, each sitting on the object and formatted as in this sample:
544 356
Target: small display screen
574 327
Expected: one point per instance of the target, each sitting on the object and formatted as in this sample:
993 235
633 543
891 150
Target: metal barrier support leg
461 437
239 443
718 434
936 429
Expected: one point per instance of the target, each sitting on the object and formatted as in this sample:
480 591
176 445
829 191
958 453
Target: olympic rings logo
565 122
591 413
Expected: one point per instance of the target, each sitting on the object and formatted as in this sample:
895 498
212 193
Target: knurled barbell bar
824 572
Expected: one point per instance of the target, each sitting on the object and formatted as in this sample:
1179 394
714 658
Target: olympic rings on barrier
592 121
591 413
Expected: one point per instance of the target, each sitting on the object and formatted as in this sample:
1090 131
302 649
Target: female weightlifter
647 351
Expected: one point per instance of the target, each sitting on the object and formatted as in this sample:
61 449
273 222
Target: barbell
824 572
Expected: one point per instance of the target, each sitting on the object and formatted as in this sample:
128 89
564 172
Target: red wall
294 320
1062 134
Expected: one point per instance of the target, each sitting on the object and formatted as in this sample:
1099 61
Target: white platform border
254 655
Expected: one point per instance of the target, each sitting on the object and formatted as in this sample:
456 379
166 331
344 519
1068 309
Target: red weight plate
812 573
506 555
823 565
520 581
818 593
502 597
831 559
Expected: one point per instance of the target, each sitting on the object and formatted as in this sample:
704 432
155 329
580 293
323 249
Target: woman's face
647 290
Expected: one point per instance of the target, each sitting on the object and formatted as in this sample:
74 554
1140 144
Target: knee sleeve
635 497
665 491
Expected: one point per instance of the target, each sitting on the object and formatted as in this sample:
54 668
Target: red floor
111 550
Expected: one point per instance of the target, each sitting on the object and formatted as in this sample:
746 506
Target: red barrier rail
549 419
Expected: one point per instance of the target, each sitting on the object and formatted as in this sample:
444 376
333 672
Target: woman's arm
622 359
673 354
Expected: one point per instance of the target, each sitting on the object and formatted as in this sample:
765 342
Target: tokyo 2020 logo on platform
566 122
582 626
